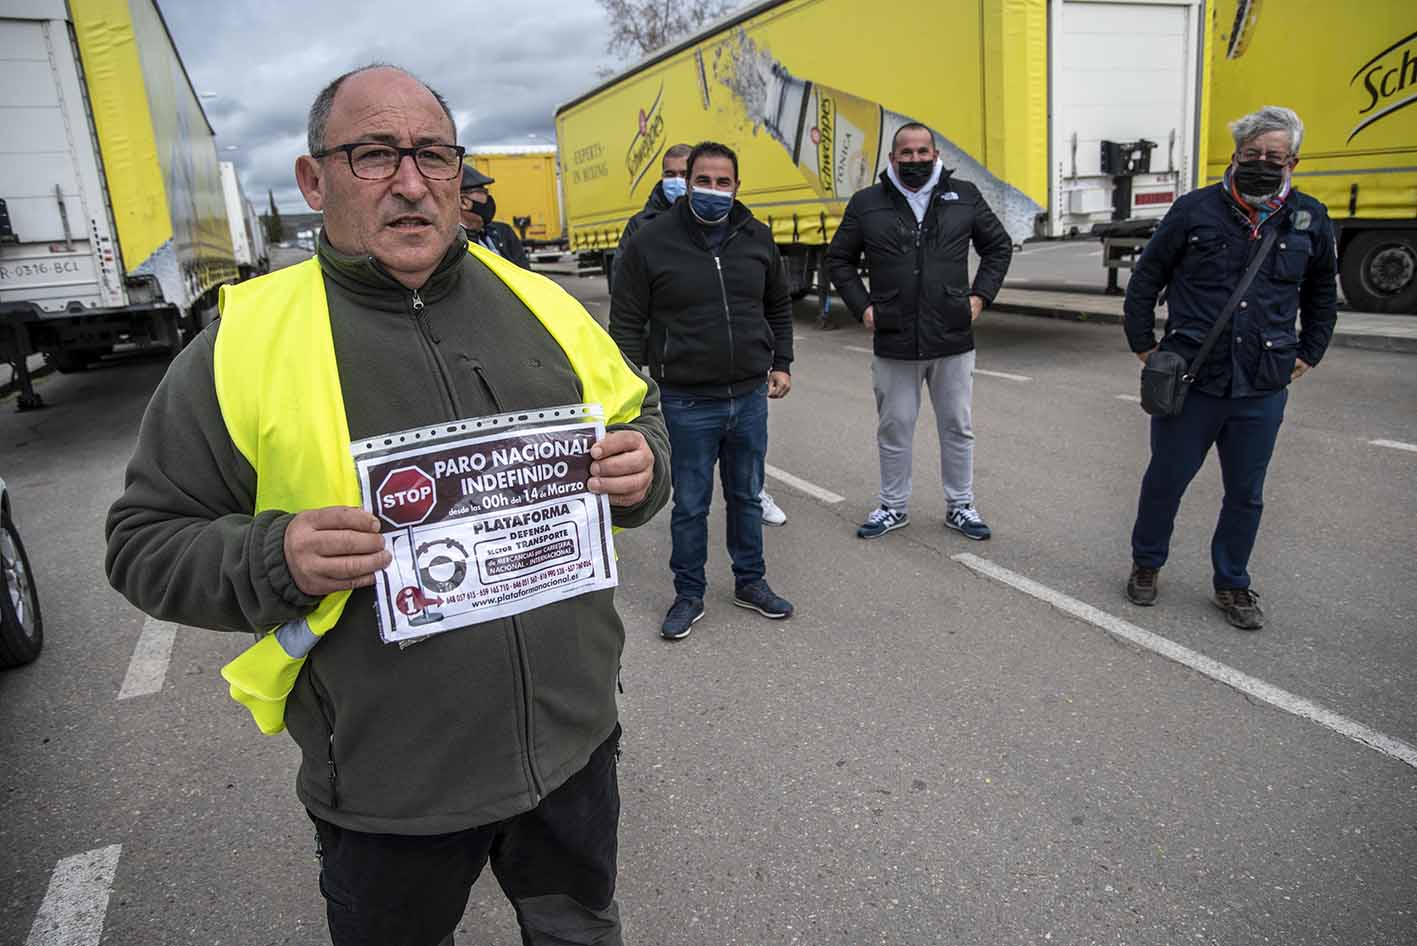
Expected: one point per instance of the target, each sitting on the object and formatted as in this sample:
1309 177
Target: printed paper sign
486 518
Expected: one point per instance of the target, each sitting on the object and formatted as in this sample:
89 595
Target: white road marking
148 668
74 906
1394 445
797 483
1033 247
859 348
1252 686
1129 397
1003 374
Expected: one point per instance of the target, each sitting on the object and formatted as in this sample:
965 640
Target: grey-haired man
1199 255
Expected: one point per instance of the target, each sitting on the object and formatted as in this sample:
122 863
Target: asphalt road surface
934 750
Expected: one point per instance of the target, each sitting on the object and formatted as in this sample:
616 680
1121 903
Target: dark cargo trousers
555 863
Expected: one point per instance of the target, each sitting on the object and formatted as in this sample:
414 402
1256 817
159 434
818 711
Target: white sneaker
772 512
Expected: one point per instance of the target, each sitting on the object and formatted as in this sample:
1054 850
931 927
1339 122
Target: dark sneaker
683 614
880 521
1141 587
964 518
762 599
1241 607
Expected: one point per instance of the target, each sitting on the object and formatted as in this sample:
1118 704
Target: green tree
639 27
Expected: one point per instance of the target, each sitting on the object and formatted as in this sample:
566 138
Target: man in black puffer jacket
915 228
707 281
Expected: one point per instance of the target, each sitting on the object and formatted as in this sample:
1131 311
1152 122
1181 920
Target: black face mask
914 174
486 210
1253 178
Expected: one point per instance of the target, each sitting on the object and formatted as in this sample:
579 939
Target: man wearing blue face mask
673 184
702 298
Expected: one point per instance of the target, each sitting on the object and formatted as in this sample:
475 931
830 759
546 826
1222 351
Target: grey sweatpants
950 381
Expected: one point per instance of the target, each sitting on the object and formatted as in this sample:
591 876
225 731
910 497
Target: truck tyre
1379 271
21 627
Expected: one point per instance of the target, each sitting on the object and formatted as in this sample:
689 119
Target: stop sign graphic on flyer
406 496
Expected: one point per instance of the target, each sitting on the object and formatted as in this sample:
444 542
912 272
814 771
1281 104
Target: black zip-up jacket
656 205
1200 253
465 728
502 240
919 272
718 322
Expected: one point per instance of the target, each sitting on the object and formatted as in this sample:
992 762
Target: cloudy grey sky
504 66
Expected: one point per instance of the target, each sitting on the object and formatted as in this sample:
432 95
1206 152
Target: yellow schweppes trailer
1065 113
1350 71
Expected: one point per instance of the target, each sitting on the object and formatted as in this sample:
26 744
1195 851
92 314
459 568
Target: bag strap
1223 321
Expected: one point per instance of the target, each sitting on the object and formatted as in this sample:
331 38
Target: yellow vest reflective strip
277 382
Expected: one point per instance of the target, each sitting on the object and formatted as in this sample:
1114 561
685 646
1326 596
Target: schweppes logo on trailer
826 142
1385 84
648 141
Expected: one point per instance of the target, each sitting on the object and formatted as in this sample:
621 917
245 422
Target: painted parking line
1251 686
148 668
1129 397
797 483
1003 374
1395 445
74 906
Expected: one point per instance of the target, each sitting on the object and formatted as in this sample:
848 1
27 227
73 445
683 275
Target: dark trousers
732 432
1243 431
555 863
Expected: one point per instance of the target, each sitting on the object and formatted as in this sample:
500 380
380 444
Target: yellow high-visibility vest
277 382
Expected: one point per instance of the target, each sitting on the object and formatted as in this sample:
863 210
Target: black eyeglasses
371 161
1273 157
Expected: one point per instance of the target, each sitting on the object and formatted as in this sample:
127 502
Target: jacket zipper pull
422 320
333 773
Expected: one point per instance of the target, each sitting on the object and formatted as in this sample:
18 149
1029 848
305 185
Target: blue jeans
734 433
1243 431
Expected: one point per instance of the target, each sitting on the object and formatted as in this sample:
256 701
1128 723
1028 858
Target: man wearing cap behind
478 208
241 512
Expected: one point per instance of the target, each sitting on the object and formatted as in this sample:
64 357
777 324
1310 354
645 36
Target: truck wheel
1379 271
21 627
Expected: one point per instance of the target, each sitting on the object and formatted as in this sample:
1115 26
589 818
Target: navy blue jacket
1199 254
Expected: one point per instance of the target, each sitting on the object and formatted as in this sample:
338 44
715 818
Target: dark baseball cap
472 177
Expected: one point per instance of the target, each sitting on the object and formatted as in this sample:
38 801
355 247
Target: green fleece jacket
465 728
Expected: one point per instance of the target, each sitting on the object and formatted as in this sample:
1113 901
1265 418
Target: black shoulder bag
1165 378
